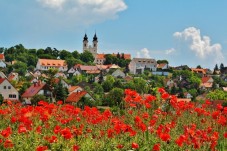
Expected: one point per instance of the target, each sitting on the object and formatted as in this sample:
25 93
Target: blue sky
192 32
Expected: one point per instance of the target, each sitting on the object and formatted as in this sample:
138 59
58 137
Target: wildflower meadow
151 123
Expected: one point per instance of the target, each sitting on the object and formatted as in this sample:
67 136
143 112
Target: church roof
85 37
95 38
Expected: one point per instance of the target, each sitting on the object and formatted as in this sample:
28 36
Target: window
12 95
4 87
9 87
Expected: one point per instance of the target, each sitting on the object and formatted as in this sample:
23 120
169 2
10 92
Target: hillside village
94 79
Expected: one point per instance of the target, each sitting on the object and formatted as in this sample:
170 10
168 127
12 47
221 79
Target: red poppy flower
6 132
156 147
135 146
225 135
120 146
76 147
8 144
165 137
41 148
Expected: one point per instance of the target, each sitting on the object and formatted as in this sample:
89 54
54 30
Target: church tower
95 44
85 43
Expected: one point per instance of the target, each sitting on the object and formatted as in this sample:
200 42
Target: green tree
98 89
71 61
107 85
76 54
20 68
65 54
38 97
115 97
162 61
87 57
60 92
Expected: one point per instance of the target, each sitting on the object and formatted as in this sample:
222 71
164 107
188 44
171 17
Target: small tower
85 43
95 44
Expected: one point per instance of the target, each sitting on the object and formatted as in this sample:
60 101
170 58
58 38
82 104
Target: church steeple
95 38
85 37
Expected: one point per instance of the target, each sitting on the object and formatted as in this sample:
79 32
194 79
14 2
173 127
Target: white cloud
52 3
143 53
84 12
170 51
200 46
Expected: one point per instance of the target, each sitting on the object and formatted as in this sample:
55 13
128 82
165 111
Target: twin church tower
91 48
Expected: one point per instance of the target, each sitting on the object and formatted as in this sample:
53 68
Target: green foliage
162 61
24 87
65 54
115 97
76 54
98 89
84 101
217 95
107 85
71 61
38 97
20 68
76 79
141 85
87 57
60 92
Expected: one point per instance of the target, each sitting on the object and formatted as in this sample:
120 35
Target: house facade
118 73
138 65
36 88
8 91
46 64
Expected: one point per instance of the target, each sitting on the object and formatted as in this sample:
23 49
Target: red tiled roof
93 72
51 62
86 68
72 88
161 65
128 78
207 85
1 80
2 57
126 56
75 96
205 79
102 66
100 56
33 90
199 70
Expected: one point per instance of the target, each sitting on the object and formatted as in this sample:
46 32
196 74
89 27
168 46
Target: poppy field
150 123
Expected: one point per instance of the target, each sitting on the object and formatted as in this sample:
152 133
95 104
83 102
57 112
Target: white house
46 64
74 89
8 91
162 66
100 59
2 75
138 65
2 64
118 73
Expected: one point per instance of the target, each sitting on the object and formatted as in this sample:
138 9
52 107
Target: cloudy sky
192 32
